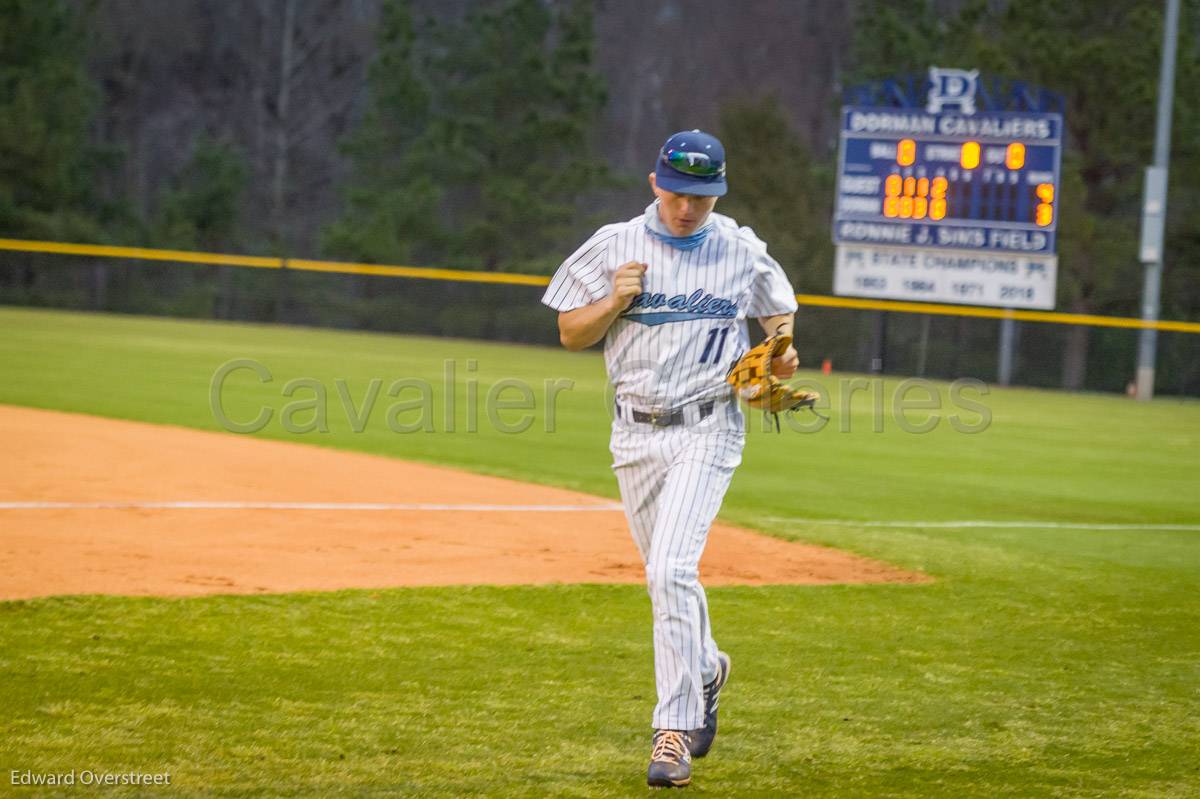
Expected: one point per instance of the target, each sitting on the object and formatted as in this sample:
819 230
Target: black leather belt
666 418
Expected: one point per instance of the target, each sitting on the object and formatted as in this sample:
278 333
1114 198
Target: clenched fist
627 283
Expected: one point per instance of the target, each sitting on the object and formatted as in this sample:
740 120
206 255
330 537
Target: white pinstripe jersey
676 341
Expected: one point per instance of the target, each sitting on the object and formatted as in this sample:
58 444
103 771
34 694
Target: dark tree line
495 134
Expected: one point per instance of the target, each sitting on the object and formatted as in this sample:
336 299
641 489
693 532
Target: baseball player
670 291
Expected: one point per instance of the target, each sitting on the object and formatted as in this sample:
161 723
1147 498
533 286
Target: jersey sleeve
583 278
771 293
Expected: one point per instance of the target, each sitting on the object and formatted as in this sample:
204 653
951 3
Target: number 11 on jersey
715 336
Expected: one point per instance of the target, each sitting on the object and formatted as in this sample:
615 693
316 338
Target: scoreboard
948 205
989 181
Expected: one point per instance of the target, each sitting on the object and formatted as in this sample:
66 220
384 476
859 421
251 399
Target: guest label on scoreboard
955 276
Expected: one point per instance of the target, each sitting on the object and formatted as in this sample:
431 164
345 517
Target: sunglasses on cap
699 165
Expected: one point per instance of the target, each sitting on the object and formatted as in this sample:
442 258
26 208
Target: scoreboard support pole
1008 348
879 343
1148 341
923 347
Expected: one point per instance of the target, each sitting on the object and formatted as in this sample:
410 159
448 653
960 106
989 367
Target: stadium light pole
1154 206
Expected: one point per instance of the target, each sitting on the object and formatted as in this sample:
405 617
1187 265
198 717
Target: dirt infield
100 506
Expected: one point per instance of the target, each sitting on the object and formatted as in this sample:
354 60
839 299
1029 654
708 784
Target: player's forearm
583 327
778 324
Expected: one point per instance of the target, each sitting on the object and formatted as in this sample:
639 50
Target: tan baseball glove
752 378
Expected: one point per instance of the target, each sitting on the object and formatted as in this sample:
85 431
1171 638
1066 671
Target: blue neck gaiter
658 230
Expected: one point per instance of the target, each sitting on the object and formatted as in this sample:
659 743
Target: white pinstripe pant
672 482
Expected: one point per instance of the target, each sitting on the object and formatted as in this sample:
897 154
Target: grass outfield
1042 662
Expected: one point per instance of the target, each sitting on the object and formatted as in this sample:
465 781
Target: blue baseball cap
692 162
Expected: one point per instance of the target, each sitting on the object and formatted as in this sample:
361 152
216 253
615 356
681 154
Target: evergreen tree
201 211
475 149
392 198
46 108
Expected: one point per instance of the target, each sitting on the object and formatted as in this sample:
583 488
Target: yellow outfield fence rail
1051 317
139 253
510 278
424 273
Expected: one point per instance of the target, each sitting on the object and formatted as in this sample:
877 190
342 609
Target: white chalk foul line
983 523
603 508
186 505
